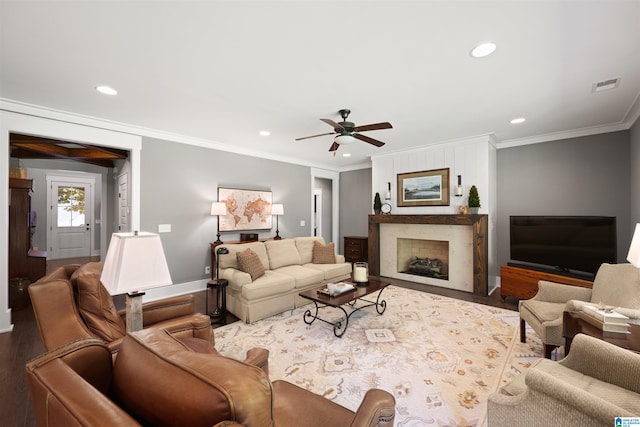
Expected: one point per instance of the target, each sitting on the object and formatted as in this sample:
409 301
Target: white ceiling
218 72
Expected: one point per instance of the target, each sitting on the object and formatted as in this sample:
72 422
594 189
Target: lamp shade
135 261
277 209
218 208
344 139
634 250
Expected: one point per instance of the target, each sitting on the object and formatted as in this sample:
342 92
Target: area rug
440 357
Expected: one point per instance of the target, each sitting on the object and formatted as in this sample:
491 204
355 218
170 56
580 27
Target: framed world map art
246 209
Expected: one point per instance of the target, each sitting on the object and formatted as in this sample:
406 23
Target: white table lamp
634 250
217 209
277 209
134 262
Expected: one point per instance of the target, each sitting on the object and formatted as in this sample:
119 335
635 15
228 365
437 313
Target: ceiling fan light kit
345 139
347 132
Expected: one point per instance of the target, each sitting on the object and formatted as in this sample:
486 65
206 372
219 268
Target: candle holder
360 273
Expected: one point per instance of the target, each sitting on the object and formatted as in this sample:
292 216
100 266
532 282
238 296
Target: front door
71 219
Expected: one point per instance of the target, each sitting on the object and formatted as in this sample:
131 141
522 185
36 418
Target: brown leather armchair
157 380
70 303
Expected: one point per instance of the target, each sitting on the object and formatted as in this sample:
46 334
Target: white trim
596 130
63 128
19 107
174 290
335 198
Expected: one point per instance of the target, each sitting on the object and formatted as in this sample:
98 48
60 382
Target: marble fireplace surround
478 248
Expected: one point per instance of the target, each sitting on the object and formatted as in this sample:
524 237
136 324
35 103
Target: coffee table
353 299
573 325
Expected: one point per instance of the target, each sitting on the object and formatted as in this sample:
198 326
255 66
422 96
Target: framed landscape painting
246 209
424 188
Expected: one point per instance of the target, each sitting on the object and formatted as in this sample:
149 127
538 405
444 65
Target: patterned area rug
440 357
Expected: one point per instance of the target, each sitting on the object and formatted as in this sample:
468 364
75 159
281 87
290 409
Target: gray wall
179 182
579 176
355 204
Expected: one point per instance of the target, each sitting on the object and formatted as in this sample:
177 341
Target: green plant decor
474 199
377 204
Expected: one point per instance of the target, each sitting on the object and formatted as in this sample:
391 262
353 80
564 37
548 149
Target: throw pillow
249 262
324 254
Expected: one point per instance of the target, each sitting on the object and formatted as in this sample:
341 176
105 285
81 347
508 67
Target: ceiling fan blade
334 147
314 136
368 139
374 126
333 124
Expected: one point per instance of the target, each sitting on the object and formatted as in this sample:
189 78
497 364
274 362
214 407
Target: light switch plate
164 228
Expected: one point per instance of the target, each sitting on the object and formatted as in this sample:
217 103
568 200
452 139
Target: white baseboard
175 290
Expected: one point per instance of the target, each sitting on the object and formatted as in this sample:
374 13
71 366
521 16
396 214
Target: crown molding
80 119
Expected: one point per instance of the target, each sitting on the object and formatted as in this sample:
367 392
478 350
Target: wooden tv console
522 283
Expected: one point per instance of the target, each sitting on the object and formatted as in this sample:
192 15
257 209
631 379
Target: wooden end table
349 298
573 325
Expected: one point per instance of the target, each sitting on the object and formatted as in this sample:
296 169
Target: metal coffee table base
340 327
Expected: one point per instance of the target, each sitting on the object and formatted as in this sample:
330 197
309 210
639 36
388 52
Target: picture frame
246 209
424 188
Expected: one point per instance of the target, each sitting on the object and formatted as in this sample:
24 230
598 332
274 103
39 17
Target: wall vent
605 85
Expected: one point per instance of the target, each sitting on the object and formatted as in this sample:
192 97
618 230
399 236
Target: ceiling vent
605 85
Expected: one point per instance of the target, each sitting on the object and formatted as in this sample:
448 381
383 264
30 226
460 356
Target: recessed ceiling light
483 49
346 154
518 120
264 133
107 90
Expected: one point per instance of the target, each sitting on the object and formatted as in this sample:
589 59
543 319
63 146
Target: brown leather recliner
157 380
71 303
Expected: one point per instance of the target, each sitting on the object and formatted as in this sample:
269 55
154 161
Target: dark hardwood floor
23 343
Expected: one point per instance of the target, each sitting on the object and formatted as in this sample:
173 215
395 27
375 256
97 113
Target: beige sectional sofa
289 270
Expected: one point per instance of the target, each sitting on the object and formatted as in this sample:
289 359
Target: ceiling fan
347 132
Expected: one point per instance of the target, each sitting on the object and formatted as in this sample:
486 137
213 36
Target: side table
573 325
219 315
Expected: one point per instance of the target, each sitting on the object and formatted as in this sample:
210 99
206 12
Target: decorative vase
473 211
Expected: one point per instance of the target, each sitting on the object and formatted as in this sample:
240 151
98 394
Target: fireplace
423 257
468 247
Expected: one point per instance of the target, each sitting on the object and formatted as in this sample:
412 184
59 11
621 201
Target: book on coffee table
606 315
604 320
334 289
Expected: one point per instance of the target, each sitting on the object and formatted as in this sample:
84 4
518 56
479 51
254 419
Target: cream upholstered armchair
593 385
615 284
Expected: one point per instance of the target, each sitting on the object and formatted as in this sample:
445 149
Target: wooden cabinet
523 283
19 233
356 248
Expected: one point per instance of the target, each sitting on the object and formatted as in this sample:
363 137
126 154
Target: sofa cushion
305 247
96 305
303 276
332 271
282 253
324 254
160 381
271 284
249 262
230 260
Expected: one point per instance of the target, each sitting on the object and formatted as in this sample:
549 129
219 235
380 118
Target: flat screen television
564 243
